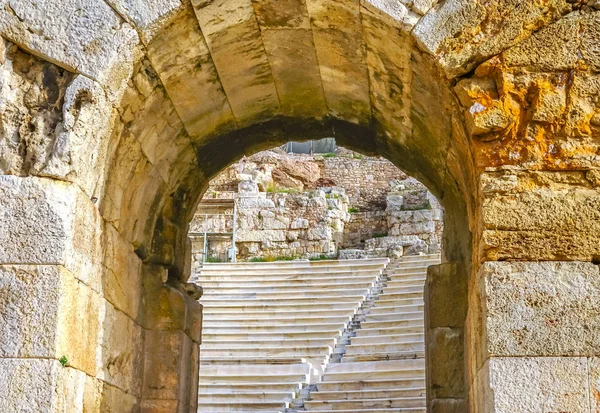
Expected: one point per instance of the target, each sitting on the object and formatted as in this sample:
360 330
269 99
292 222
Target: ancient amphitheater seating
317 336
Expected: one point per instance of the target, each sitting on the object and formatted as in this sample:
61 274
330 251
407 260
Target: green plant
257 259
321 257
63 360
329 155
285 258
380 234
357 156
353 210
213 259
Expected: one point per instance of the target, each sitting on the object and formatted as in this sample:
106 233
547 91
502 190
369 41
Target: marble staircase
321 336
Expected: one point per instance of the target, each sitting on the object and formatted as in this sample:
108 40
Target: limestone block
233 36
100 396
341 54
121 280
121 351
167 354
556 47
528 385
273 14
182 60
462 34
299 223
445 363
446 295
541 309
147 16
261 236
49 222
449 406
594 369
48 314
40 385
86 37
159 406
296 71
546 221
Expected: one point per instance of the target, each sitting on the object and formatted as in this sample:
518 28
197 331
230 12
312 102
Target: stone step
370 384
384 403
216 407
274 319
272 329
399 301
416 320
369 332
270 342
291 299
278 278
385 347
339 282
260 386
368 394
399 296
276 316
252 397
270 335
383 356
209 360
387 317
300 351
373 366
314 293
396 338
414 269
280 272
372 375
398 309
299 263
296 370
396 410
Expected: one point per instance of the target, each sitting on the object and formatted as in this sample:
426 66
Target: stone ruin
116 114
293 207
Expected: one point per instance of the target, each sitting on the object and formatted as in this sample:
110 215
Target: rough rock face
130 107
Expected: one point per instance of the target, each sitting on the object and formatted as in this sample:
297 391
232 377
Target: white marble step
281 315
275 277
396 338
394 410
386 355
368 394
311 282
417 320
371 384
417 346
279 301
270 335
300 351
369 332
271 329
372 375
387 317
316 271
399 301
384 403
397 309
224 407
270 342
313 292
275 319
300 263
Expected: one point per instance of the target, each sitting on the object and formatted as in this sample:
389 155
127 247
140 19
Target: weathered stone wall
364 225
277 225
366 180
286 181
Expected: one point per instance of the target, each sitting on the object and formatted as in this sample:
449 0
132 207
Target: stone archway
113 129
